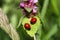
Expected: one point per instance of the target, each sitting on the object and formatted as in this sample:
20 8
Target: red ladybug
33 20
27 26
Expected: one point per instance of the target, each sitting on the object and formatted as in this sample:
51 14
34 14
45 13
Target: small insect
33 20
27 26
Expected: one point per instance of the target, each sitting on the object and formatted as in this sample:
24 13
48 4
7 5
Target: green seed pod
34 27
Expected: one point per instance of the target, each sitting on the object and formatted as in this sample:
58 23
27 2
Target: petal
35 9
22 4
35 1
30 0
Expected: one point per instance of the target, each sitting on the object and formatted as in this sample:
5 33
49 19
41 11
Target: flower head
29 6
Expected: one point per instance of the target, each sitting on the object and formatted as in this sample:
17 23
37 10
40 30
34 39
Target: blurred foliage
49 12
4 35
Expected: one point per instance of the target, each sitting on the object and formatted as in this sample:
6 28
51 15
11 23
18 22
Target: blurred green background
49 12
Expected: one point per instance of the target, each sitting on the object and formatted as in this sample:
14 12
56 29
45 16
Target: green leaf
34 27
13 20
53 30
38 33
28 9
55 6
43 12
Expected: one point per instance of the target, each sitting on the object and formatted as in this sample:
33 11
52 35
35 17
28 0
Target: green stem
43 12
20 21
44 9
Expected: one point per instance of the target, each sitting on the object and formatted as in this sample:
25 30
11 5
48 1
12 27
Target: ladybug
27 26
33 20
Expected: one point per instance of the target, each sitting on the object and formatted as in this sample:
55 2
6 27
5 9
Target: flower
29 6
22 4
35 9
26 4
34 1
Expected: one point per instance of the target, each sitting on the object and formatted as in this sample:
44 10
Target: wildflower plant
29 20
30 11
